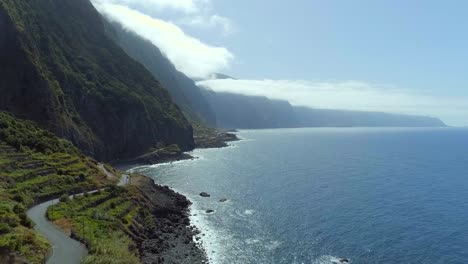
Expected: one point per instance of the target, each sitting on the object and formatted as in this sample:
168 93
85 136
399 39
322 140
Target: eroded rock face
59 68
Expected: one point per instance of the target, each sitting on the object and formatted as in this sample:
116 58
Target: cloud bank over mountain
348 95
186 6
189 54
166 22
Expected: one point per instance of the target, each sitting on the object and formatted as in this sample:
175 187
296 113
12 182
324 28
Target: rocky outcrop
206 137
161 155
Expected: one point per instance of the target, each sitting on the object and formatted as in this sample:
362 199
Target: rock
204 194
344 260
223 200
209 211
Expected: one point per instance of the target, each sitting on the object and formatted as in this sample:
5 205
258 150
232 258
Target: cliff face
240 111
251 112
59 68
310 117
182 89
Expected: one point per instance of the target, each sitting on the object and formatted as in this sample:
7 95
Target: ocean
370 195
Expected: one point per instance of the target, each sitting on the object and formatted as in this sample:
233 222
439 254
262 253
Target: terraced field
102 221
27 178
36 166
33 177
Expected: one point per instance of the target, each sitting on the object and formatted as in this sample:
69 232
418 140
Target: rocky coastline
206 138
214 138
167 236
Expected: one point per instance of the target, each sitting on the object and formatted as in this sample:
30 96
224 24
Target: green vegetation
25 135
102 220
16 233
76 82
183 90
36 166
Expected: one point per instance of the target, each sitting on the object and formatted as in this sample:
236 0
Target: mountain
240 111
182 89
220 76
310 117
253 112
59 68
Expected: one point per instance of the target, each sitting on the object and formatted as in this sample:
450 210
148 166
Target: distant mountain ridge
311 117
240 111
253 112
59 68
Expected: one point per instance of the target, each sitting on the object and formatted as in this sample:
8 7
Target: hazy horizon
334 55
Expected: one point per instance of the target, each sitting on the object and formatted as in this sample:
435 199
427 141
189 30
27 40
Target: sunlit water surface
316 195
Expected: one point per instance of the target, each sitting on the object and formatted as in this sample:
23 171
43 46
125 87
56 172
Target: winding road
64 249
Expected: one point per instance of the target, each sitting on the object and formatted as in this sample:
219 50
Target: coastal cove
307 196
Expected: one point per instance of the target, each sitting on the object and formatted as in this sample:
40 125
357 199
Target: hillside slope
182 89
36 166
59 68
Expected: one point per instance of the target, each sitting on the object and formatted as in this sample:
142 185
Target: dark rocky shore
165 236
204 138
214 138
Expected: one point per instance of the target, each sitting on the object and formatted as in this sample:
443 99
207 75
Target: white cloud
186 6
189 55
207 22
194 13
349 95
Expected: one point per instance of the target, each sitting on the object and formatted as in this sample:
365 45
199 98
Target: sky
395 56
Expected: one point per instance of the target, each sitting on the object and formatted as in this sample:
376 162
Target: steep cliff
310 117
182 89
240 111
59 68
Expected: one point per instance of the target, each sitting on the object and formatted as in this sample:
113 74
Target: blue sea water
371 195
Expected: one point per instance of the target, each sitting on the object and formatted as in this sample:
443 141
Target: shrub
4 228
64 198
19 208
18 198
